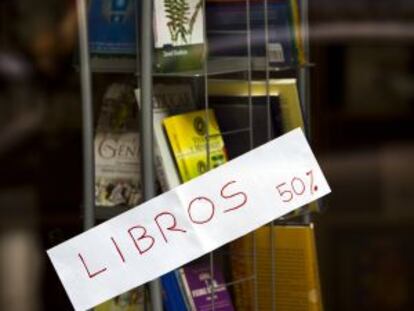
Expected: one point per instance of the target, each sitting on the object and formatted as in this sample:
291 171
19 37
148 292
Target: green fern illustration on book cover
180 18
179 35
177 12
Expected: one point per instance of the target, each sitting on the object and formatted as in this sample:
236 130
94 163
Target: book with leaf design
178 35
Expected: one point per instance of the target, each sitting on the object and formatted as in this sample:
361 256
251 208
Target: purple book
197 282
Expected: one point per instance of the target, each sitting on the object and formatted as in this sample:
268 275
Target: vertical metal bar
267 69
269 136
249 74
87 118
304 85
205 75
251 142
146 118
304 78
207 120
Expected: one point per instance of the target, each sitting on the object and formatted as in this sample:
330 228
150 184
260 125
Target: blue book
233 15
172 295
224 17
112 27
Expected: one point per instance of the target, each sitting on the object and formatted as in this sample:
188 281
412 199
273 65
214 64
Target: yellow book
132 300
296 284
187 135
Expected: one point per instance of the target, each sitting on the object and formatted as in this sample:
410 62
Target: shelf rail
87 118
144 51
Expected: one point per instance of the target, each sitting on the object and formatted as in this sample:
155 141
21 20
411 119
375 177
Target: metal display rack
143 70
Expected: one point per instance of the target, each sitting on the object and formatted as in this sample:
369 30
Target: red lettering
286 195
143 236
232 195
199 201
302 186
172 227
118 249
313 188
90 275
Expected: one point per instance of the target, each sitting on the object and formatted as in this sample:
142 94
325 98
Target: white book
117 159
168 100
178 23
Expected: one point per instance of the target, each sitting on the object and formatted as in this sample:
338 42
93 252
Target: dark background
362 116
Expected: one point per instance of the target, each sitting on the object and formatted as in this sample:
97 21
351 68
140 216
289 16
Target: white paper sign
189 221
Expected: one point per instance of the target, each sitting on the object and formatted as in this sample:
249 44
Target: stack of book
190 140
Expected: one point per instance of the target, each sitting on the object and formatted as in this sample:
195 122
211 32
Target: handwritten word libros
189 221
200 210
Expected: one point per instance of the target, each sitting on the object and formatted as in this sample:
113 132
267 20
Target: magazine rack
145 80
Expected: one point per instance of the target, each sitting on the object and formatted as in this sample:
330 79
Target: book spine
173 298
165 167
187 289
182 290
296 27
177 150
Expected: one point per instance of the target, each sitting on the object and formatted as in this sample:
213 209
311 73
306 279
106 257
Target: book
182 289
285 89
188 131
168 100
296 281
233 115
227 30
173 298
112 27
296 25
117 159
132 300
285 110
193 153
178 35
199 285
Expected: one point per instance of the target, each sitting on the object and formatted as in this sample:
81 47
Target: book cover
227 30
117 159
112 27
199 284
178 35
168 99
285 89
132 300
232 114
173 298
296 25
286 111
296 276
193 153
